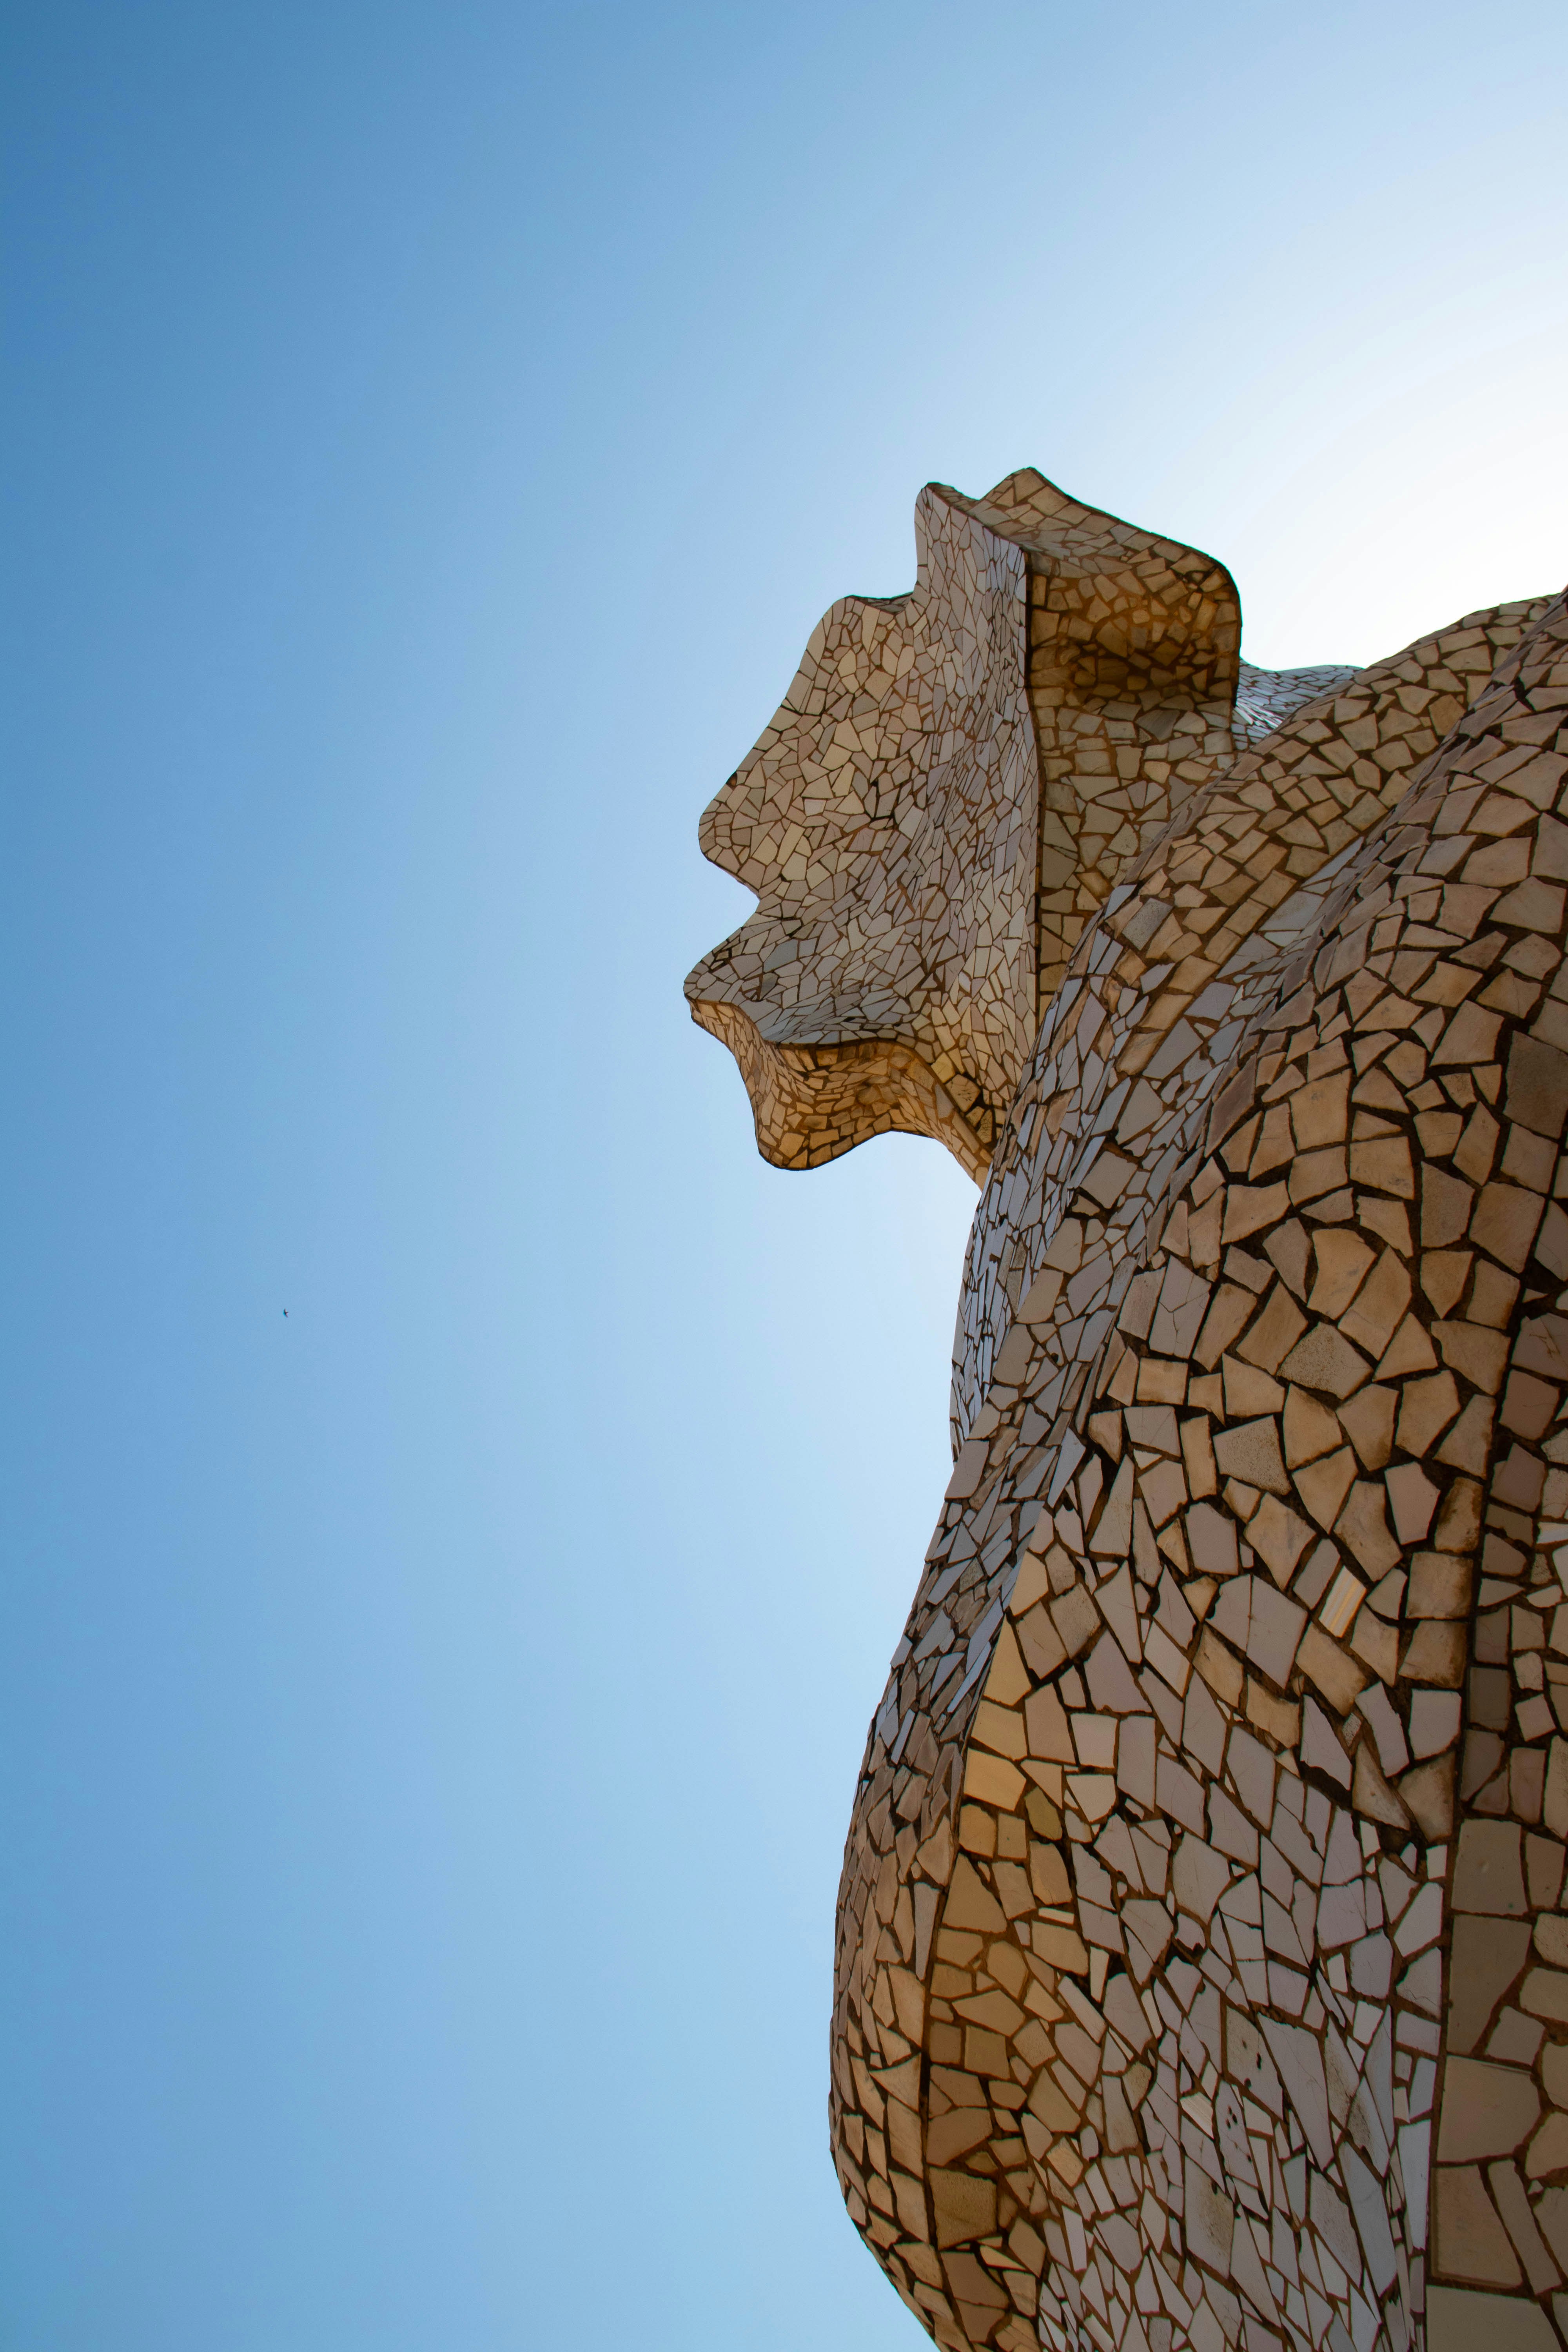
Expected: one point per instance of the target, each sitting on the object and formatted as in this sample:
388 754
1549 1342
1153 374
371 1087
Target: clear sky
428 1719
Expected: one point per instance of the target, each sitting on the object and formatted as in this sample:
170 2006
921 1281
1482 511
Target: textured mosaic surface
1202 1975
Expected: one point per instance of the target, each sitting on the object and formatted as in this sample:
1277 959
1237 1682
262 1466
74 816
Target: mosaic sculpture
1202 1966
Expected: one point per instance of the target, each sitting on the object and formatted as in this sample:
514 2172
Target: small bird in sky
285 1315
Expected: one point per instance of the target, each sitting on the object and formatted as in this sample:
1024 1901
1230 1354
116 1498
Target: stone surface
1202 1978
1461 2322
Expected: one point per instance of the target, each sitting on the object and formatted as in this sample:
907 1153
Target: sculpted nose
726 824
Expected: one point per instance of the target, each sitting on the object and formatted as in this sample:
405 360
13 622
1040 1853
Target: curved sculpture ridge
1202 1969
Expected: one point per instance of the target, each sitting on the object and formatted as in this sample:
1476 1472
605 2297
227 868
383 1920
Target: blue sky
429 1720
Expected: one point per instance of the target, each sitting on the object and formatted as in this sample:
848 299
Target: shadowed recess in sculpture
1201 1968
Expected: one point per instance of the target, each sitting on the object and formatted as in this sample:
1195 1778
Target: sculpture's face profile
942 799
886 821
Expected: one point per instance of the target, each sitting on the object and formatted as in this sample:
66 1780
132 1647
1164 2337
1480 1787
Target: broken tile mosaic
1202 1965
